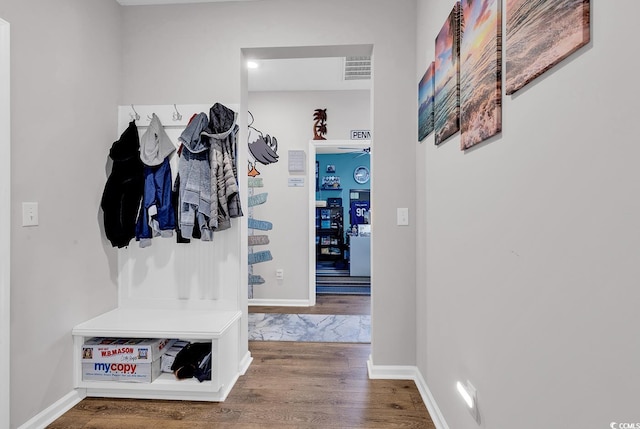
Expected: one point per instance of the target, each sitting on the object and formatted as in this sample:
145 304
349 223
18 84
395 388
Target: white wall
65 71
5 220
191 53
289 117
530 288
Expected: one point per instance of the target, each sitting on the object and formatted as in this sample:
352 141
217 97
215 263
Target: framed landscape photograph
425 103
540 34
447 78
480 71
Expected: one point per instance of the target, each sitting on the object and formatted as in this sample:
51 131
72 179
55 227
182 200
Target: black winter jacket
124 187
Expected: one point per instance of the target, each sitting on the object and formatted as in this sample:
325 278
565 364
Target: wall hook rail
176 115
136 116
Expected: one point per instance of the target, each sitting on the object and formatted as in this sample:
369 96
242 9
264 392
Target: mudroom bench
221 328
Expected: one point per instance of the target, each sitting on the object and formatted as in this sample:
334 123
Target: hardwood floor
288 385
325 304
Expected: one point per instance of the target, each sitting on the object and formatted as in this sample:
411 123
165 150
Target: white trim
407 372
49 415
244 363
391 372
311 224
5 223
282 302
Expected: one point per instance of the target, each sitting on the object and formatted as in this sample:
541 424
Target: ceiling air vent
357 68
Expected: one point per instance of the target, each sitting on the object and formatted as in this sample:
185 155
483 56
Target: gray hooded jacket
222 132
194 194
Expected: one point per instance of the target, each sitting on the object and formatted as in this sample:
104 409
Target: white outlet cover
403 216
29 214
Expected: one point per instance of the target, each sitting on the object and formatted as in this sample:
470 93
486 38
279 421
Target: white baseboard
50 414
245 362
407 372
430 402
280 302
64 404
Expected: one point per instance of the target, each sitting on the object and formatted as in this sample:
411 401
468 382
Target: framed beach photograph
425 103
540 34
480 71
447 78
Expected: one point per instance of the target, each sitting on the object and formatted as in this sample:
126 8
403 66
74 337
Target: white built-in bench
193 292
219 327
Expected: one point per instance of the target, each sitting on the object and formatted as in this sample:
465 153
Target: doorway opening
311 303
342 218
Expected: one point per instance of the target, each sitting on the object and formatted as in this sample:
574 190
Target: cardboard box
135 372
124 350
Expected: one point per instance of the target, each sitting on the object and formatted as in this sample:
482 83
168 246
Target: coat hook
176 115
136 116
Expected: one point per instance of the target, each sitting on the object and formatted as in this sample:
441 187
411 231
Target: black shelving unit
329 234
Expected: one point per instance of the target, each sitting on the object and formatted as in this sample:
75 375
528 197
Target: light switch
29 214
403 216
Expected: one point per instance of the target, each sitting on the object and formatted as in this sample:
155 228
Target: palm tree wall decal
319 124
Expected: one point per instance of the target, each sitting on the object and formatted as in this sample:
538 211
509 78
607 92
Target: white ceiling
151 2
302 74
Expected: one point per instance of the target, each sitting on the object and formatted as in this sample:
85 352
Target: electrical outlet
29 214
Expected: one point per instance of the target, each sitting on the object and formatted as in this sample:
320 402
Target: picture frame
425 102
540 35
447 78
480 71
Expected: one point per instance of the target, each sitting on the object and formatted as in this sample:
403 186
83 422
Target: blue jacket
157 216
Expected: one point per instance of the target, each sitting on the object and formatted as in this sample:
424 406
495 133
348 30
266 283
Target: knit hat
155 144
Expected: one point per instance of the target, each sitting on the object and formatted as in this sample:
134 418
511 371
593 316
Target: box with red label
134 372
125 350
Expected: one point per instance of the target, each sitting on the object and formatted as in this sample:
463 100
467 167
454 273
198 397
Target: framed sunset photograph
447 79
540 34
480 71
425 103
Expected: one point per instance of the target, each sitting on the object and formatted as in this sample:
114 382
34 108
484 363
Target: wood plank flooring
325 304
288 385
